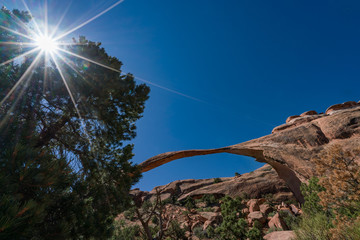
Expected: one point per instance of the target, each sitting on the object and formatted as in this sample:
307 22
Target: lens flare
46 43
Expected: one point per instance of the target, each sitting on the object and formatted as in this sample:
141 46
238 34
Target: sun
46 43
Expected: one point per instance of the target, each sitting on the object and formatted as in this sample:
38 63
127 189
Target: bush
217 180
254 234
290 220
231 229
123 232
257 224
189 203
347 230
233 225
272 214
315 227
210 232
198 231
209 199
310 193
175 232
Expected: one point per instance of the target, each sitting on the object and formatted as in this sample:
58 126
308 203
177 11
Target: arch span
284 172
290 146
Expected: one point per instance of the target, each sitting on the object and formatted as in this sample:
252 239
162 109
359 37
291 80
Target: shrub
290 220
123 232
254 234
257 224
315 227
199 232
217 180
233 225
175 232
312 200
210 232
189 203
272 214
209 199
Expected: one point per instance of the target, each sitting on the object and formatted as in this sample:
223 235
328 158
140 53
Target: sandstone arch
290 147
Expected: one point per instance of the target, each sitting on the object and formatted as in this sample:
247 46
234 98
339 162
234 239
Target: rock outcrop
280 235
255 184
290 146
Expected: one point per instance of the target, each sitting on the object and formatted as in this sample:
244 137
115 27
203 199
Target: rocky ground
268 200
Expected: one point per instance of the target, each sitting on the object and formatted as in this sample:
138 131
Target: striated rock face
290 146
256 184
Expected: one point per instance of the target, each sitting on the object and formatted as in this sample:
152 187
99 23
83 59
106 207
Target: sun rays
49 44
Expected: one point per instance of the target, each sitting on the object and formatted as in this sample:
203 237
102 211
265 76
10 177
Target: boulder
340 106
259 216
266 209
308 113
211 216
280 235
196 224
245 211
291 118
253 205
295 209
277 222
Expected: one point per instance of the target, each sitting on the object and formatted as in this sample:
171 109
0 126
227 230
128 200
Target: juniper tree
65 169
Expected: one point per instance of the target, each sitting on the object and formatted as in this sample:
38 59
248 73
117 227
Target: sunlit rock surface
290 146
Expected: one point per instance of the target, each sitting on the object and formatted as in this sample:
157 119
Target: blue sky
251 63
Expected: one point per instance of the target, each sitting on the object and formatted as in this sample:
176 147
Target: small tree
233 226
64 176
340 177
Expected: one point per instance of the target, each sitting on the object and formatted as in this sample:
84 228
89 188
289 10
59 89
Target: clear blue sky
252 63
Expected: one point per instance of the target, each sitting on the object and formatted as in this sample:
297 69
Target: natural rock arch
290 146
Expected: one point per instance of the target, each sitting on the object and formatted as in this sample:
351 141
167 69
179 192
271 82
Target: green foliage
155 220
254 234
170 200
198 232
60 181
231 229
314 227
209 199
272 214
310 192
290 220
175 232
217 180
122 232
189 203
315 224
273 229
130 214
233 225
210 232
231 207
237 174
349 231
257 224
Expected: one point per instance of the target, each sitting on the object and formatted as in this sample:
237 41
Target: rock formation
290 146
255 184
